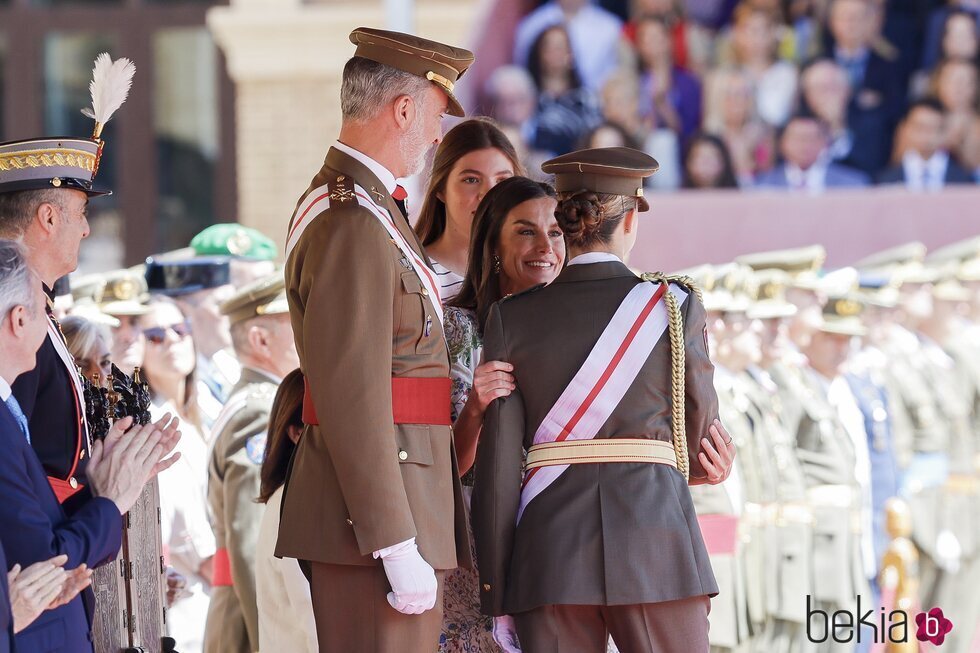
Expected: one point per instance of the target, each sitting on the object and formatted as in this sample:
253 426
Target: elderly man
263 341
33 525
373 499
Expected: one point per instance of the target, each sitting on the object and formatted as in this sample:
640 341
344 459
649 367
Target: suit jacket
6 618
233 485
610 534
359 318
34 527
955 174
837 176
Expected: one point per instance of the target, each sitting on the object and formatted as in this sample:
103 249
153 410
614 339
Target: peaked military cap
770 295
963 250
41 163
914 252
803 264
611 170
123 293
441 64
184 276
842 315
266 296
229 239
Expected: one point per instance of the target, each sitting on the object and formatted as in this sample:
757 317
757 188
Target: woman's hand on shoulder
491 380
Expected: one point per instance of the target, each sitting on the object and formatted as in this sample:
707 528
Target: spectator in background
511 99
669 95
925 164
805 167
672 13
621 106
730 114
566 109
952 32
954 84
876 83
857 138
608 134
88 343
707 164
754 46
594 34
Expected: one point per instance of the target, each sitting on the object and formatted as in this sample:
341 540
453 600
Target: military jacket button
350 522
425 291
486 587
73 482
402 454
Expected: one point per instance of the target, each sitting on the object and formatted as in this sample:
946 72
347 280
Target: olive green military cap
610 170
267 296
914 252
963 250
441 64
842 315
122 293
769 296
229 239
803 264
84 287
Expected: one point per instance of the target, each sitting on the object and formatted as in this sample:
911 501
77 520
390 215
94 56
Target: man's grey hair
18 208
18 285
369 86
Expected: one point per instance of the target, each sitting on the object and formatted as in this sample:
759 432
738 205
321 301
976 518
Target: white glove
505 634
413 583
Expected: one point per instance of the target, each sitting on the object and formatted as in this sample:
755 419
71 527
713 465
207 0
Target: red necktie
400 195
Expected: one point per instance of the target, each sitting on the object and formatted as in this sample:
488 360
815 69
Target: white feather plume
110 85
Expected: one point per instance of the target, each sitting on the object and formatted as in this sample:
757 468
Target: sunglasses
157 335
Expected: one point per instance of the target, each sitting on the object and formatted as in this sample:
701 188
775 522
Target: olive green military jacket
358 482
233 484
609 534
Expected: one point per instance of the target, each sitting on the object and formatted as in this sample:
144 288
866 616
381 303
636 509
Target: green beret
230 239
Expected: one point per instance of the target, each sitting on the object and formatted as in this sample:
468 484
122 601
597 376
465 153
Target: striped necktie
18 414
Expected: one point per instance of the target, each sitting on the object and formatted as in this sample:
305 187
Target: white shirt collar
594 257
382 173
916 167
5 390
812 179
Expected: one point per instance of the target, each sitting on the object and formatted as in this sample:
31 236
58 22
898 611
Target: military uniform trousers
666 627
353 614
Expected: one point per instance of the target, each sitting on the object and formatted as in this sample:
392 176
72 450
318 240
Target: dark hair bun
580 216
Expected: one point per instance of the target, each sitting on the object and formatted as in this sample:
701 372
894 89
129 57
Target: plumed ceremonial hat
610 170
441 64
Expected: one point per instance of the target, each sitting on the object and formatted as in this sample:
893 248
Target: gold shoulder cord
675 326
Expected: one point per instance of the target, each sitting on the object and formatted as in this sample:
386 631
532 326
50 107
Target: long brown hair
287 410
481 286
468 136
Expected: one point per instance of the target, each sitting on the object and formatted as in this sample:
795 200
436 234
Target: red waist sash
221 574
414 400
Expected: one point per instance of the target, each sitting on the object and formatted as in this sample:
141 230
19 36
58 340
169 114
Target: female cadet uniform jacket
601 534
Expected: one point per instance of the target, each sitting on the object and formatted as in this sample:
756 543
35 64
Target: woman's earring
496 264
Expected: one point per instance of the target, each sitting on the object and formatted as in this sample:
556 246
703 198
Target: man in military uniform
263 341
123 295
45 187
373 499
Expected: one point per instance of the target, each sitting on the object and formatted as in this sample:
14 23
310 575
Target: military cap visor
45 163
182 277
267 296
609 170
441 64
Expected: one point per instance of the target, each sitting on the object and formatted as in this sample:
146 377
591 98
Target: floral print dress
464 629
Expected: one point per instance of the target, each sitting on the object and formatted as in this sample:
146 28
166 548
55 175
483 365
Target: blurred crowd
802 94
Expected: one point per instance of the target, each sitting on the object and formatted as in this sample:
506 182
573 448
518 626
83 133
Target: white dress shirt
594 257
925 174
382 173
812 180
283 594
5 390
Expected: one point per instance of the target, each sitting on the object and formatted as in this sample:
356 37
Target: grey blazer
604 534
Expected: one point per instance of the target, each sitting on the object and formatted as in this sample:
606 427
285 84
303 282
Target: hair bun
580 216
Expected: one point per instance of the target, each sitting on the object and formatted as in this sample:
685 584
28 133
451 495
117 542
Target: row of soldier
854 399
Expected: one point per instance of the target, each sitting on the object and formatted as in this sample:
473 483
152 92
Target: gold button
402 454
425 291
486 587
81 456
350 522
73 482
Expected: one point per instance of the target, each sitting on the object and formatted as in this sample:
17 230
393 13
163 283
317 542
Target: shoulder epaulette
681 280
524 292
341 188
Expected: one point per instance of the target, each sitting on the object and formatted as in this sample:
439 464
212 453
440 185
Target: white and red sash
602 381
318 200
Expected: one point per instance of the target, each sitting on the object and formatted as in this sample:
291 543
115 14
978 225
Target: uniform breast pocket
417 318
